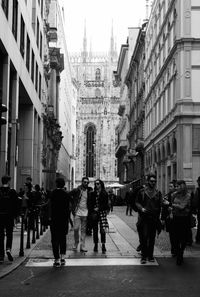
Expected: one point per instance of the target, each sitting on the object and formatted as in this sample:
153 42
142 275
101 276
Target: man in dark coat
9 209
59 221
148 202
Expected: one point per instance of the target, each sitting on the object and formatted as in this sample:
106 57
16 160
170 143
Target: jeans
80 223
6 224
147 232
58 241
95 233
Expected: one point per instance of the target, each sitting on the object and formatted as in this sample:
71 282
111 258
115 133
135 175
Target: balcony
121 148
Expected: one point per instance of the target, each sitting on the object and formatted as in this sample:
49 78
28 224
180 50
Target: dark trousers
180 229
95 227
147 234
6 227
128 209
58 241
198 228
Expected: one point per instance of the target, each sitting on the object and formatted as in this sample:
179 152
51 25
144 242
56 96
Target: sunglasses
86 182
97 184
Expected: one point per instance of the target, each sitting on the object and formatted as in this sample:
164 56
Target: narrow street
117 273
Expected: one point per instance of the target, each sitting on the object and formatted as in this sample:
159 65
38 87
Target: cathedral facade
97 114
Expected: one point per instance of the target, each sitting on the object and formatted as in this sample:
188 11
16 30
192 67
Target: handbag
193 221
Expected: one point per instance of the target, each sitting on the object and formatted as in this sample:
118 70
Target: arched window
97 92
98 74
90 150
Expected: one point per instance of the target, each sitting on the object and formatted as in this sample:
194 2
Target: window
196 139
27 52
37 33
32 66
40 45
90 154
97 93
40 85
14 19
4 5
36 77
22 34
98 74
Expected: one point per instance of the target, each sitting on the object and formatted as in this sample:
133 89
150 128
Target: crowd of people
174 212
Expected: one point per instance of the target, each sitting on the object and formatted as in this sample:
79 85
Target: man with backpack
9 207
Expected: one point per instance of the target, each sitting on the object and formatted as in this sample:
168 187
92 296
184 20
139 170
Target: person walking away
111 199
196 206
79 199
98 208
128 198
166 215
181 209
148 202
59 218
9 209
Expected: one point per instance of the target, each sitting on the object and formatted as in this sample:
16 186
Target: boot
103 248
96 247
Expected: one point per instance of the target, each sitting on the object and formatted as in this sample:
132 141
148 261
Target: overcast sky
99 16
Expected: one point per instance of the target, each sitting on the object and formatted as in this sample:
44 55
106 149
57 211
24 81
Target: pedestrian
181 210
59 221
148 202
111 199
197 209
166 215
9 209
79 201
98 208
128 198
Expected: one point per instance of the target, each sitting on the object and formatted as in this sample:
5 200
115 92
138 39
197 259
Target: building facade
172 114
97 113
31 64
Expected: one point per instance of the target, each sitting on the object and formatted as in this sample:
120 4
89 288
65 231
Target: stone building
31 63
97 113
172 100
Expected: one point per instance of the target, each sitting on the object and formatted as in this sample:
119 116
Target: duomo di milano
111 116
97 113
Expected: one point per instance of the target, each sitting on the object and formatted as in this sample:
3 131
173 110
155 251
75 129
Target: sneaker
75 247
83 250
56 263
10 257
151 259
143 261
138 249
62 262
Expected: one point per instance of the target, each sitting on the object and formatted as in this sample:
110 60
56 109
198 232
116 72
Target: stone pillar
14 129
4 128
184 152
26 138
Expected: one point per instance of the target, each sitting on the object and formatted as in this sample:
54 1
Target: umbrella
115 185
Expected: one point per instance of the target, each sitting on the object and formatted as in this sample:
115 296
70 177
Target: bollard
28 243
21 251
37 223
33 226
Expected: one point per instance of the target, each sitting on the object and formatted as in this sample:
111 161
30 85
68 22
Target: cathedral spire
84 43
112 41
